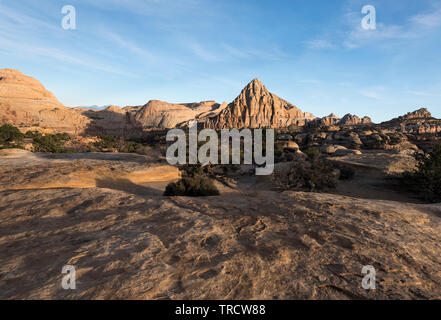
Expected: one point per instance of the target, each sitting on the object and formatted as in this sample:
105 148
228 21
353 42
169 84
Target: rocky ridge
25 103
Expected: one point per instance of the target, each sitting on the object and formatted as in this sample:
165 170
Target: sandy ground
127 241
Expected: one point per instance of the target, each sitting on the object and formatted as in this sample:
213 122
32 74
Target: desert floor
105 215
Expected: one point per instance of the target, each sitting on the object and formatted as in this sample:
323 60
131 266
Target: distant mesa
96 108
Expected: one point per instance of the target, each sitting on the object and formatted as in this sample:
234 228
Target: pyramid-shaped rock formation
256 107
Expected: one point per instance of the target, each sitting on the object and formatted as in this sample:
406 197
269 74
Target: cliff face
25 102
111 121
159 114
256 107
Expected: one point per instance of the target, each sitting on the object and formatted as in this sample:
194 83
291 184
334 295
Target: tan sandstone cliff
25 102
256 107
160 114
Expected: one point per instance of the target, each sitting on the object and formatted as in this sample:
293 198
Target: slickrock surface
22 170
128 242
385 162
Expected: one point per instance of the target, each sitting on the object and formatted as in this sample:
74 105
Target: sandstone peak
255 87
256 107
256 82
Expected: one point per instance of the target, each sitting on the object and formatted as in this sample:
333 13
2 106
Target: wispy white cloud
270 52
32 38
33 52
431 19
228 53
309 81
423 93
154 8
202 52
129 45
13 18
352 35
373 92
320 44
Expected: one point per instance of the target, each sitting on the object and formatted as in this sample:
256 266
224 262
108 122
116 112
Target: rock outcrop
111 121
422 113
256 107
333 120
416 122
24 102
353 120
164 115
330 120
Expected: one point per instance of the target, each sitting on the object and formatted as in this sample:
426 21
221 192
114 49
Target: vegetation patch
426 179
314 173
51 143
193 184
10 137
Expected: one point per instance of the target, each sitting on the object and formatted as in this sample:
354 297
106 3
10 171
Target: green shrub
51 143
192 170
312 174
31 134
108 142
9 133
193 184
131 147
426 179
193 187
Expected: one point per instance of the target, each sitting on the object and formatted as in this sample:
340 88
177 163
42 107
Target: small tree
9 133
427 176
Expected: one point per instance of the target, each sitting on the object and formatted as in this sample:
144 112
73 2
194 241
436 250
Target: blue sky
312 53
